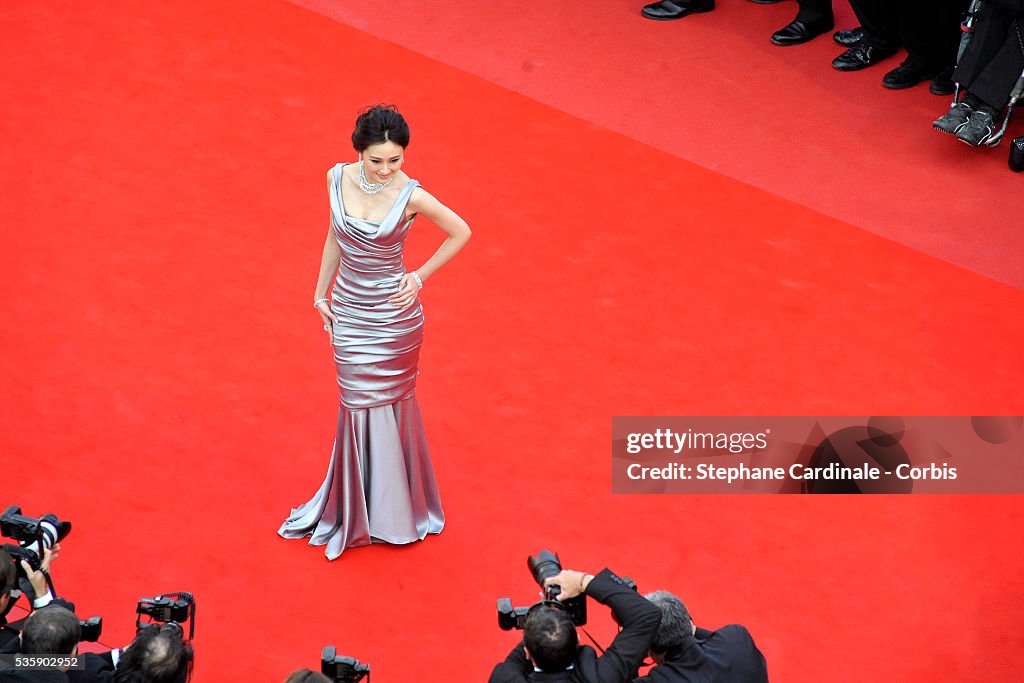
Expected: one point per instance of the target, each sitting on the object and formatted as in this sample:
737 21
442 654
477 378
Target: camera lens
544 566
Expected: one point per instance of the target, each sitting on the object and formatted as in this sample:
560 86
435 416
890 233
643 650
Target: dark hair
157 655
551 638
676 624
380 123
50 630
8 573
307 676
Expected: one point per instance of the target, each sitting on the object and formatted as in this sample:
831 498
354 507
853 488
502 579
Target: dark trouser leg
930 30
991 25
996 80
879 20
814 10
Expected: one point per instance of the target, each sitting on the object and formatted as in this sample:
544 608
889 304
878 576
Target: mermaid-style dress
380 483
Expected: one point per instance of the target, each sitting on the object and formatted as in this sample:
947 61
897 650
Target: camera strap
596 646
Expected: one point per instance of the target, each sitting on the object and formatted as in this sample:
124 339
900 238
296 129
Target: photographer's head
307 676
51 630
676 625
550 637
157 655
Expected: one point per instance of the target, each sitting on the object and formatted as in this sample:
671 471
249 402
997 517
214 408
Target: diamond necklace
368 187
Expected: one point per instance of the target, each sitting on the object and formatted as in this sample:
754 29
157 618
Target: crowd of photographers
656 626
43 647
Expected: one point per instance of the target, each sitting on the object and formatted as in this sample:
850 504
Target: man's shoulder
505 672
733 647
731 633
8 636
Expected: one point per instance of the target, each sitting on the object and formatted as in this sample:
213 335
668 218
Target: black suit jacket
639 619
99 668
8 639
24 676
726 655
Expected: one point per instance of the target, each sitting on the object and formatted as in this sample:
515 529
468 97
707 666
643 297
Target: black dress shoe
849 38
676 9
943 83
766 2
861 56
908 74
798 32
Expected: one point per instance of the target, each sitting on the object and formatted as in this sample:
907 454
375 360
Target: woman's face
383 160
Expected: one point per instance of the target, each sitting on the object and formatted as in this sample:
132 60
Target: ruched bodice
376 345
371 252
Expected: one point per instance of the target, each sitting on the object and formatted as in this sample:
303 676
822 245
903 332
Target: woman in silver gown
380 483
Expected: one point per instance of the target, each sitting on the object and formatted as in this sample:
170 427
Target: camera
342 669
542 566
91 628
33 535
174 609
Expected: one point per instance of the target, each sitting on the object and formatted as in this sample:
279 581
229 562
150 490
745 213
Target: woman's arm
329 263
424 203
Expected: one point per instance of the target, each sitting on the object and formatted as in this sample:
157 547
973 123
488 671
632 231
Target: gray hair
676 624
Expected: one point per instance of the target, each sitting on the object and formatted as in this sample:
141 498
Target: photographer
51 631
40 628
684 653
9 582
157 655
307 676
550 650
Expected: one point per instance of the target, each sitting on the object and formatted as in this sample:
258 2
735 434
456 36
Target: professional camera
342 669
33 535
543 566
91 628
171 608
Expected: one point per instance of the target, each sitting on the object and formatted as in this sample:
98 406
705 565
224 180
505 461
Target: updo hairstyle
380 123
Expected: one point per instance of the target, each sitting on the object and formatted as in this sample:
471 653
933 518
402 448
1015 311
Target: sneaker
953 120
943 83
979 127
908 74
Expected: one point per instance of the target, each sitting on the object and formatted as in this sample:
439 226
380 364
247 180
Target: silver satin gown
380 483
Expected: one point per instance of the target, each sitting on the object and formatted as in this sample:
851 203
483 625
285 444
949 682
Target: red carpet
714 90
167 387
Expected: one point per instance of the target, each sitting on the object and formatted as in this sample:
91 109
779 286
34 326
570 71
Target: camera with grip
542 566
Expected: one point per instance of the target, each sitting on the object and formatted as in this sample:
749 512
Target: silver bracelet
416 277
321 301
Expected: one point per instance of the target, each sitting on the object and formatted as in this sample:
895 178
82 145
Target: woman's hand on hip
408 292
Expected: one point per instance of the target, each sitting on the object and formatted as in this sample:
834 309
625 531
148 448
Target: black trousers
813 10
928 29
994 59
